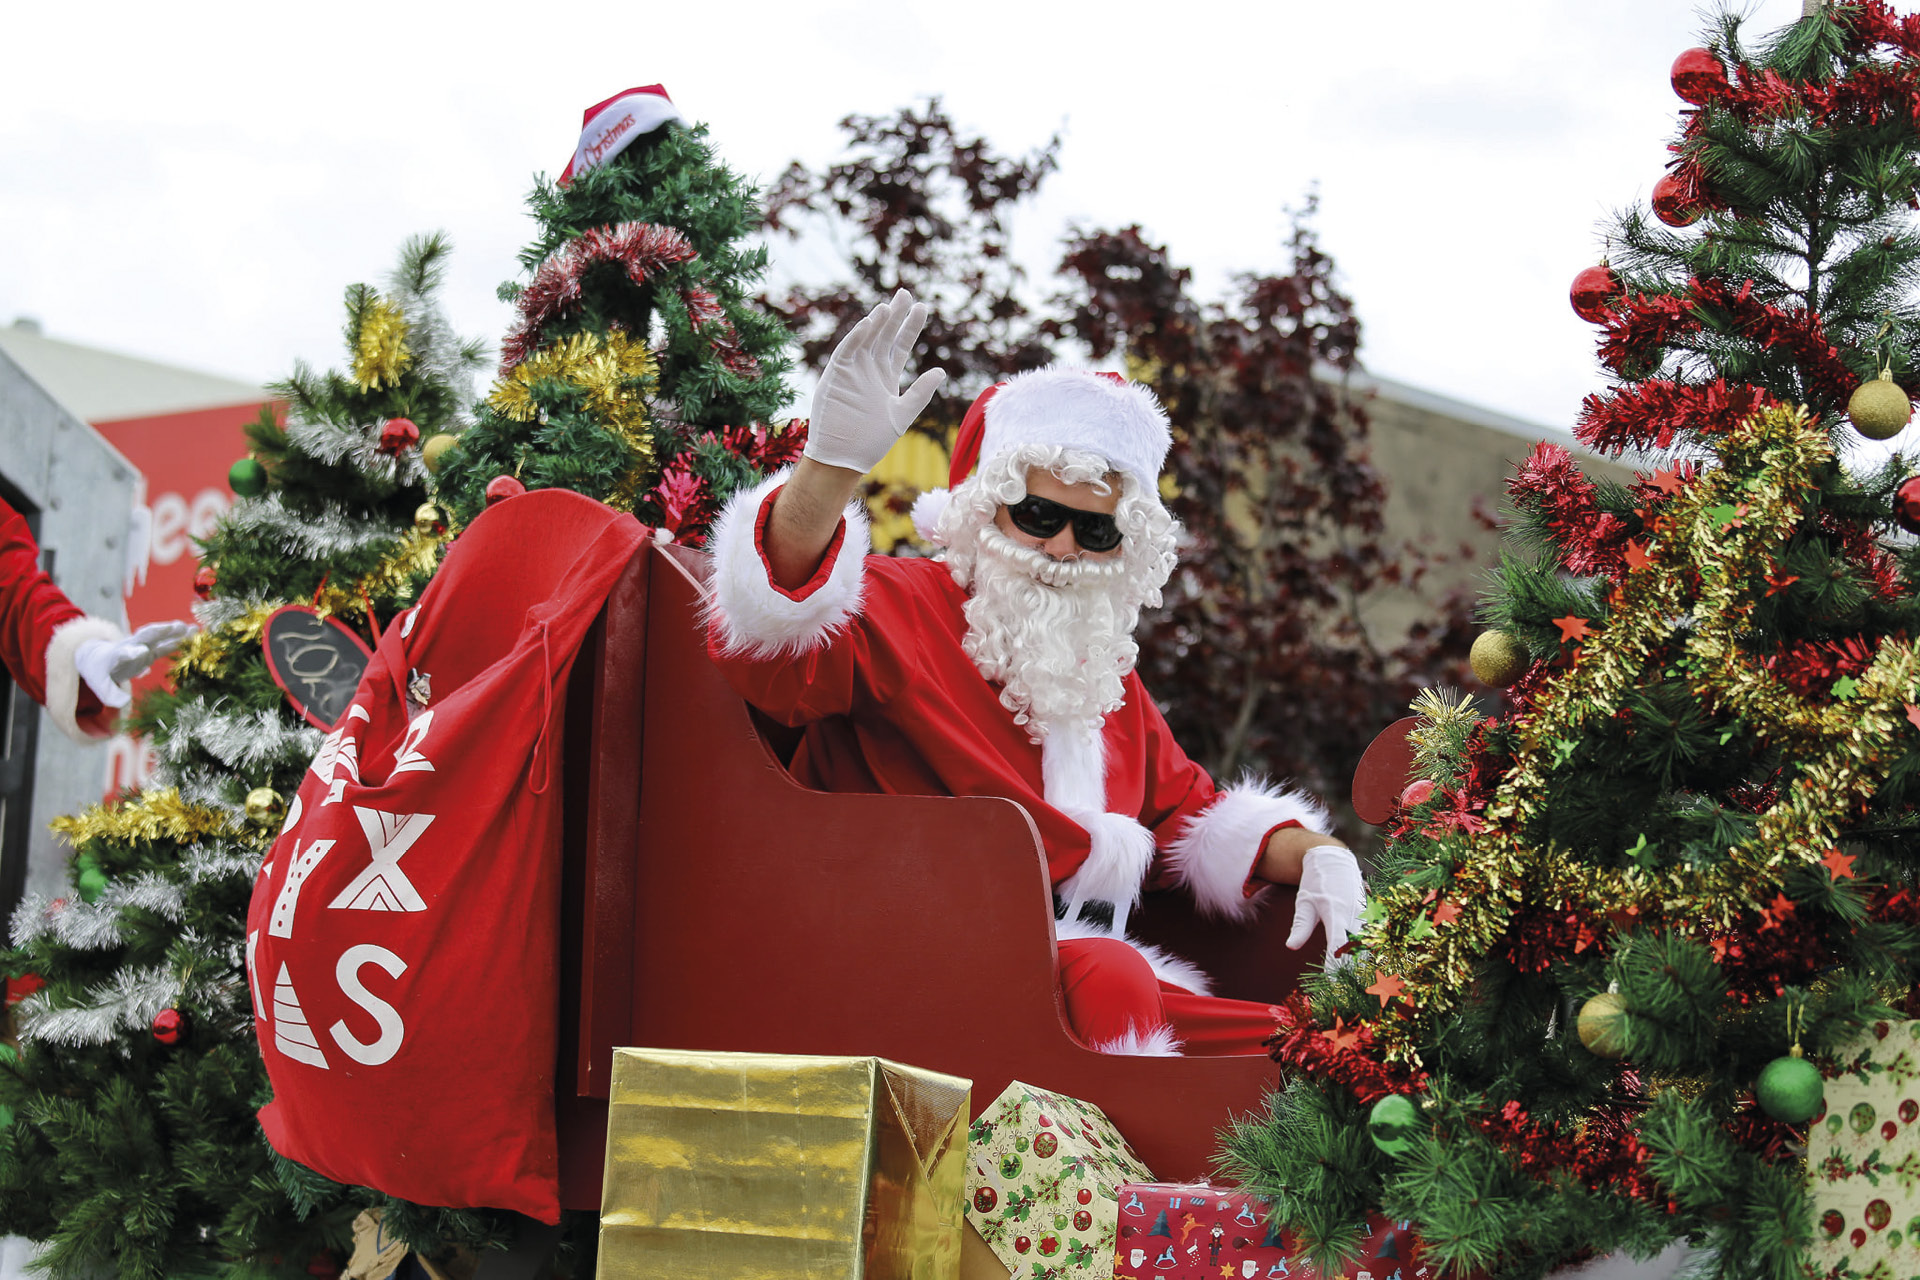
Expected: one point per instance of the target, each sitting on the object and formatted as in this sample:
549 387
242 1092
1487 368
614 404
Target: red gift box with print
1168 1230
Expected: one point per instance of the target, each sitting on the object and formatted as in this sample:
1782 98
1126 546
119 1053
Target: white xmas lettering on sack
392 1030
383 886
253 975
291 1034
338 762
280 924
410 760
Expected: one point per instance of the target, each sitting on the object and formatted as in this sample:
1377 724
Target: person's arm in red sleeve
793 648
41 632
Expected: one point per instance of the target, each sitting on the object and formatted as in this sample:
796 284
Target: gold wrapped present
749 1166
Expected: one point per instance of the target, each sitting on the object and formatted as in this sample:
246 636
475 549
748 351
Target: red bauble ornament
1674 201
500 488
204 582
397 434
1419 791
168 1024
1698 76
1592 290
20 988
1906 505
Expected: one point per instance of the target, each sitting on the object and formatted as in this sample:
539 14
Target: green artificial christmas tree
133 1149
640 371
1626 914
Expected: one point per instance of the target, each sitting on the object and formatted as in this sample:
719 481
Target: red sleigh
713 903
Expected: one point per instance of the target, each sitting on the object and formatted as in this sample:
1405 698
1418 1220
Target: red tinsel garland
1637 330
1650 414
1590 541
640 249
1302 1045
1810 667
710 321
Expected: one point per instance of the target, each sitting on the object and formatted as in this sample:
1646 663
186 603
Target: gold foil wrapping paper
743 1166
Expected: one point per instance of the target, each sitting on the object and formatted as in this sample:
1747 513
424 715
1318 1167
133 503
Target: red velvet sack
402 942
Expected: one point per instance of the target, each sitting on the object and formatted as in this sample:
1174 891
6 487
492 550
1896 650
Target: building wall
1441 457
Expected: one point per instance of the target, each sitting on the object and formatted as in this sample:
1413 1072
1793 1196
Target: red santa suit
41 631
867 657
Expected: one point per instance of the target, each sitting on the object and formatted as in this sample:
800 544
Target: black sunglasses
1043 517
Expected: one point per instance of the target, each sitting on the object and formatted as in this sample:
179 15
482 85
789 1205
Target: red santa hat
1095 412
610 127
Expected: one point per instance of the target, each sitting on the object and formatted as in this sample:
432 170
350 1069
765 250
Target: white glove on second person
858 408
107 665
1331 896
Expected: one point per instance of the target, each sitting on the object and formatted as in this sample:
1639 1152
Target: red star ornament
1637 557
1343 1036
1913 715
1668 481
1446 913
1387 987
1571 628
1777 912
1839 865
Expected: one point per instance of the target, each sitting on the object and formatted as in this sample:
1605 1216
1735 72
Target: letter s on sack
392 1030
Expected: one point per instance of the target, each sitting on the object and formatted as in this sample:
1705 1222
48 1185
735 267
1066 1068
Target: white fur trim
1073 774
1218 847
1158 1042
756 618
1166 966
63 677
926 512
1080 409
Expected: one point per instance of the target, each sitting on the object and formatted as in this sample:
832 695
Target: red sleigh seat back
716 904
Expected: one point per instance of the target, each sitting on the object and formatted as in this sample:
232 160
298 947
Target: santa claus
75 665
1005 667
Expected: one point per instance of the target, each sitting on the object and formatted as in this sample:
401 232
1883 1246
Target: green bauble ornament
247 478
9 1056
1601 1025
91 882
1392 1123
1791 1089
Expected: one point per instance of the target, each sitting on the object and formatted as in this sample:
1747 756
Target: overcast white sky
197 182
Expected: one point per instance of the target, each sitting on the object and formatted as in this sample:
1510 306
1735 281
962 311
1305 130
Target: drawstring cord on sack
546 710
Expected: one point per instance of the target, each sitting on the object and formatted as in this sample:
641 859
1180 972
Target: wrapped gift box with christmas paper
743 1166
1863 1155
1192 1230
1043 1170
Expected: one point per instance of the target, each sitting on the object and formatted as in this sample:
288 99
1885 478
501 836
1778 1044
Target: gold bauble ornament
263 805
1879 407
435 446
1600 1025
426 517
1498 659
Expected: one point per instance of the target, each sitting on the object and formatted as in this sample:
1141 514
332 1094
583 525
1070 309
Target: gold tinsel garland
1720 531
210 653
149 816
1446 717
615 375
380 352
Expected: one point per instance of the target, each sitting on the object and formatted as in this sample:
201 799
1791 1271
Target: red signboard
184 457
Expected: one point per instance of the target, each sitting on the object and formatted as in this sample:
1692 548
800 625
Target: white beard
1056 635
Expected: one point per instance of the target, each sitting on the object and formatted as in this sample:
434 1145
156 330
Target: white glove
858 411
1331 896
106 665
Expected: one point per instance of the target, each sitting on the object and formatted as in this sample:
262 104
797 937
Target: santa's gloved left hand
1331 896
107 665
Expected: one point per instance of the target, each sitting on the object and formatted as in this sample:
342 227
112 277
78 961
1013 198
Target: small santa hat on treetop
1100 413
610 127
